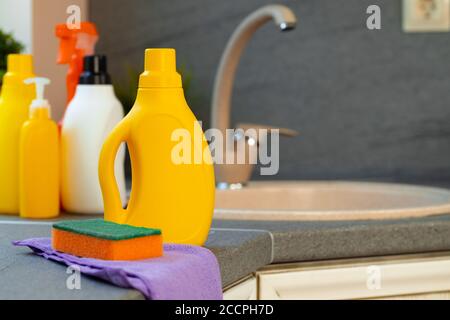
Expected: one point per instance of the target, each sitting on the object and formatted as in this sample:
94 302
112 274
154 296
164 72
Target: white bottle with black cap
92 113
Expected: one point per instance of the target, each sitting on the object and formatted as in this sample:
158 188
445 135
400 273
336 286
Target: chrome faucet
236 175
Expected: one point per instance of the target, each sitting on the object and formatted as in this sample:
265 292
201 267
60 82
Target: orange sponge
106 240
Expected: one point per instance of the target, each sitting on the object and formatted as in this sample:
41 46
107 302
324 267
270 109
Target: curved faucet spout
283 17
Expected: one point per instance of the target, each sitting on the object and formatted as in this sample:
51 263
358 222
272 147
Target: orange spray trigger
74 45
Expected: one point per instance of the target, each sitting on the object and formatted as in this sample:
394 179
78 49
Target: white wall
15 17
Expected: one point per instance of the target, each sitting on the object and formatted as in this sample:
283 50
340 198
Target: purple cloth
184 272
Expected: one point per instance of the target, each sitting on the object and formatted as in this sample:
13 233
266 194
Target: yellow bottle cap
160 70
20 63
19 67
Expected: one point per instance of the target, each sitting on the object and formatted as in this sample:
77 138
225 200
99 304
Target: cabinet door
382 278
245 290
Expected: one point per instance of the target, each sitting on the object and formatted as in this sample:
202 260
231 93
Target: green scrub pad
100 228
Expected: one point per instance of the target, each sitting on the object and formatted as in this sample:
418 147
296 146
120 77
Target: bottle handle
111 195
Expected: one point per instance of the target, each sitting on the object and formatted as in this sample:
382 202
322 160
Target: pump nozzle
40 84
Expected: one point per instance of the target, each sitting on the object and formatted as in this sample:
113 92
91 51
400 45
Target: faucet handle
283 131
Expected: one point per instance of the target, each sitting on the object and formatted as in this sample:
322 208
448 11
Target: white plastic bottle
92 113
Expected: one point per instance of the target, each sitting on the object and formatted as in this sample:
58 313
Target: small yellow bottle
177 198
15 100
39 159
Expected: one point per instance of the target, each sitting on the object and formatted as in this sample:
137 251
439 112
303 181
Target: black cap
95 70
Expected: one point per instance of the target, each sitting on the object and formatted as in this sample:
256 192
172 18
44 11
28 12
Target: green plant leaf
8 45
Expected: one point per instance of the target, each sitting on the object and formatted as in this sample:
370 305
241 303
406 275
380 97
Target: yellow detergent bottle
166 193
15 100
39 159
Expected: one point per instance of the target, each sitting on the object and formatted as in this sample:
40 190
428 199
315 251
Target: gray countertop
24 275
241 247
311 241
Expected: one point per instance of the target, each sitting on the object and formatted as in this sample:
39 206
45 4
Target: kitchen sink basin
334 200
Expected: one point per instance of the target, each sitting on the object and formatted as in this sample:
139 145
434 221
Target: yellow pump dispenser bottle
15 100
39 159
177 198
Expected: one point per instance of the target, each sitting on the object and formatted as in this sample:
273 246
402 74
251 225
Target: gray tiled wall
368 104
